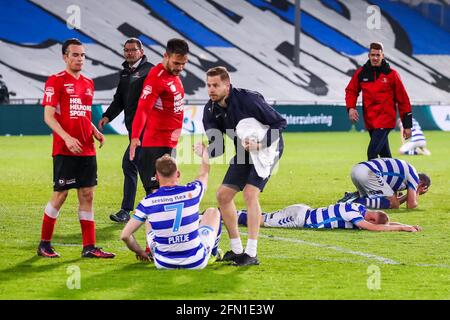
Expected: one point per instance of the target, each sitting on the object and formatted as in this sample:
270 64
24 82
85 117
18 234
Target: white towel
263 160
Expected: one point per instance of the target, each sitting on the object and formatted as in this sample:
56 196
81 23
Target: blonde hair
219 71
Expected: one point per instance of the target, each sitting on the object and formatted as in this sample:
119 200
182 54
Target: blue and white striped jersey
398 174
335 216
416 131
173 213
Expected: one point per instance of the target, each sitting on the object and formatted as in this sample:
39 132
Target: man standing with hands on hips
135 70
383 93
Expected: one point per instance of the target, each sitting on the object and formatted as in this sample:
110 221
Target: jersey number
179 211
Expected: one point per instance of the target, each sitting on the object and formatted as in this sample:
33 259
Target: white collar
136 64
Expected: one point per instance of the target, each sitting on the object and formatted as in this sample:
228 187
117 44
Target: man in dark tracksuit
135 70
383 92
225 109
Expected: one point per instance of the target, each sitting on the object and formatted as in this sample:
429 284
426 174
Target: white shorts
408 146
290 217
207 238
369 183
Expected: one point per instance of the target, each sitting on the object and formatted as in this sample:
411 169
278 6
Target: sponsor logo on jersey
178 103
69 88
77 108
49 92
146 91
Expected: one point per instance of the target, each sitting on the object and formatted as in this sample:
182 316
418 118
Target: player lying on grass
379 181
335 216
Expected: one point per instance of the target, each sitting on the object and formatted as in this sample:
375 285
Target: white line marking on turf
432 265
67 244
339 249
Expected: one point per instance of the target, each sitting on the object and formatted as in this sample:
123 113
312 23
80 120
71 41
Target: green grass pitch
295 264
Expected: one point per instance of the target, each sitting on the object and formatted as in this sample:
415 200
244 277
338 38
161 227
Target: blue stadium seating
25 23
186 25
315 28
425 36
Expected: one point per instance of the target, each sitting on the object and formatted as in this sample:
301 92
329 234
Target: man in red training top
68 106
160 111
382 92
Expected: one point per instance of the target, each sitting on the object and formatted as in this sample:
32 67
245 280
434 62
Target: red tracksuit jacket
382 91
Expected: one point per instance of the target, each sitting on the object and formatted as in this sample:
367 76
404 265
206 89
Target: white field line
67 244
335 248
313 244
344 250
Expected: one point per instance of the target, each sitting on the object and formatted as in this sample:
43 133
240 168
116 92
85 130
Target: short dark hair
376 46
177 46
425 179
219 71
134 40
68 42
166 166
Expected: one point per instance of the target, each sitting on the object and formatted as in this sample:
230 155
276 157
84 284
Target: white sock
236 245
252 246
50 211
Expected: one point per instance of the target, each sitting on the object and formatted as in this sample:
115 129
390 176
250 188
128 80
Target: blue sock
384 203
242 218
378 203
362 201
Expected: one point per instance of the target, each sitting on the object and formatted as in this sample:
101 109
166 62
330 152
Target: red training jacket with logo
383 93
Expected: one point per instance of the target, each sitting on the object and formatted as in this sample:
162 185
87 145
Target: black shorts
71 172
147 169
239 175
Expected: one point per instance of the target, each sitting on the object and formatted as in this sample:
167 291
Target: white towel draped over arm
264 158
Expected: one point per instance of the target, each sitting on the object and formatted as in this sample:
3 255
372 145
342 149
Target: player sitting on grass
335 216
417 144
379 182
178 240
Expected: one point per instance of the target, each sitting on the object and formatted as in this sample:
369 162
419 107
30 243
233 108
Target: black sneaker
94 252
122 216
47 252
245 260
230 256
348 197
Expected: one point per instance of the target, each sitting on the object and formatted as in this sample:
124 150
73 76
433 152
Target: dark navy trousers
379 144
130 173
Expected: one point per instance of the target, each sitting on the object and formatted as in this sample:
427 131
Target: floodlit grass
295 264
